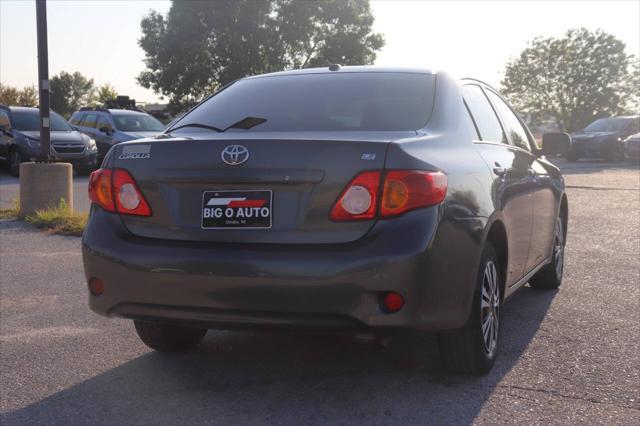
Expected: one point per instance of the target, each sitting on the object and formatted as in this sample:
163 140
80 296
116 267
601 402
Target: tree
105 93
8 95
69 92
28 97
574 79
200 46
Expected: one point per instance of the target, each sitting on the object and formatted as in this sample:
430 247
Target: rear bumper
595 149
230 286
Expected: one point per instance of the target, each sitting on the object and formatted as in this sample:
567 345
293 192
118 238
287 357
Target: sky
467 39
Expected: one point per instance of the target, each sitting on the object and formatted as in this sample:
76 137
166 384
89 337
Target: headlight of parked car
33 143
92 145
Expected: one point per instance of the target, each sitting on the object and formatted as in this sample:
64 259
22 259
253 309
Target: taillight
359 199
100 189
406 190
115 190
402 191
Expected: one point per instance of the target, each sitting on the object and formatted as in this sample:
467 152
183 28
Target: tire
550 276
571 157
168 338
470 351
14 163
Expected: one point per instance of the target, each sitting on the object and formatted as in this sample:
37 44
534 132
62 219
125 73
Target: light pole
44 183
43 81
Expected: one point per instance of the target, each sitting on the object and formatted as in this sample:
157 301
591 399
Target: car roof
126 112
626 117
23 109
347 69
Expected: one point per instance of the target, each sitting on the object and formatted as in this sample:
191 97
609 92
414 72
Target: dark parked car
632 147
604 138
355 198
20 139
111 126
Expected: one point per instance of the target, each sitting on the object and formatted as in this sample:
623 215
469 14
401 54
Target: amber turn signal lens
396 195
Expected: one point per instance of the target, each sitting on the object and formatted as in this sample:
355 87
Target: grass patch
60 220
12 212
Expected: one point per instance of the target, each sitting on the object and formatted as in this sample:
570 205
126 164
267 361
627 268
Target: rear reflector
96 286
115 190
392 302
403 190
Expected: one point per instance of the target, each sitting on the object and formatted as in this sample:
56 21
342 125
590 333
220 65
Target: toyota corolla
357 199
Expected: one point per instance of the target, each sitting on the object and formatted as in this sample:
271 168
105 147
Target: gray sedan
358 199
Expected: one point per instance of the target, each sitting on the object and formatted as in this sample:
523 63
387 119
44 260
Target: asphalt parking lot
571 356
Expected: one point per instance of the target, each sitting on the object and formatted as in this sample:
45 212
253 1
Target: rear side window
483 115
76 119
104 122
512 125
89 120
323 102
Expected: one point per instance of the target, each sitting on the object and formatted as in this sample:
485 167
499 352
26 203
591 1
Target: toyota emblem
235 155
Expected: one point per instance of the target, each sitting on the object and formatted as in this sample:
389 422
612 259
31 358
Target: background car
604 138
111 126
632 147
20 139
362 199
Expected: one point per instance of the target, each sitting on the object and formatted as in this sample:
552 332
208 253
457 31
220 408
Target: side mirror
555 143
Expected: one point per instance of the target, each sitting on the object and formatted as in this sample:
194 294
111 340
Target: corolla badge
235 155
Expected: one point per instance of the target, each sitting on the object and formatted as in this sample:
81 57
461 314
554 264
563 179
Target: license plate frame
254 199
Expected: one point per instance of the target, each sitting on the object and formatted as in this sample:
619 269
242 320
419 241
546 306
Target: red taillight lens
127 195
403 190
115 190
406 190
360 198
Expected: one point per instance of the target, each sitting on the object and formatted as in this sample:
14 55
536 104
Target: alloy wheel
558 248
490 307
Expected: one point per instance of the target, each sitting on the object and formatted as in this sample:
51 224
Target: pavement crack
547 392
601 188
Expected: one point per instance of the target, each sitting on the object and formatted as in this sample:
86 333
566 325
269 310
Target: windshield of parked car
29 120
137 123
608 125
349 101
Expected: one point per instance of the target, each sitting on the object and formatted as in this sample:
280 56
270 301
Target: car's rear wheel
550 276
473 349
571 156
14 162
169 337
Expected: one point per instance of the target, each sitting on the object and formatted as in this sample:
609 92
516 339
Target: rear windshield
322 102
609 125
29 120
137 123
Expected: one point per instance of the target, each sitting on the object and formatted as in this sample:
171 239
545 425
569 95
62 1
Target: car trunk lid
298 176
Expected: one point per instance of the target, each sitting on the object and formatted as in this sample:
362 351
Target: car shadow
281 378
587 166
